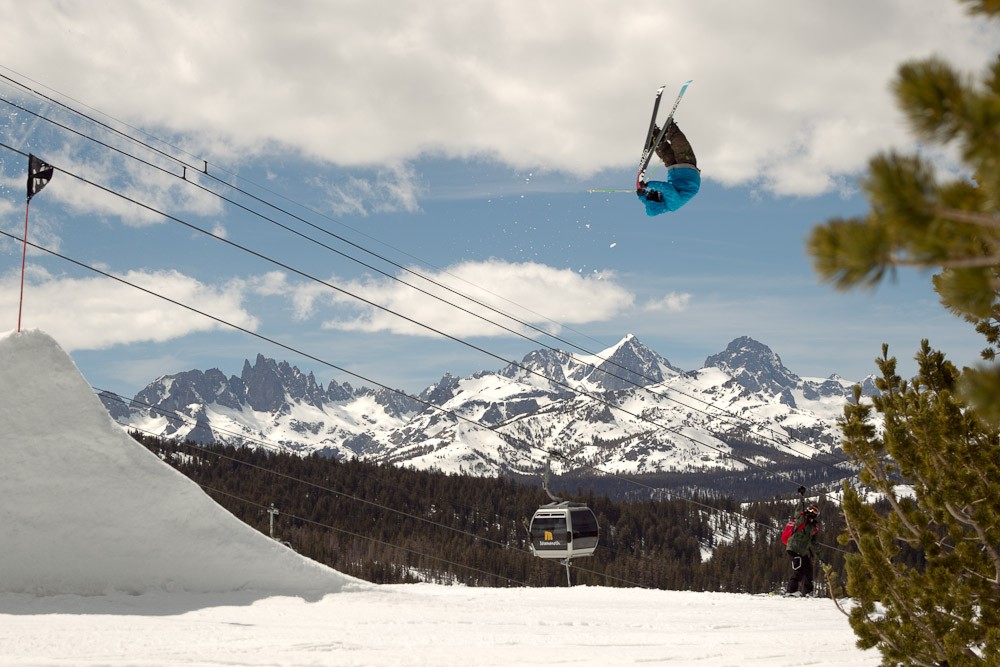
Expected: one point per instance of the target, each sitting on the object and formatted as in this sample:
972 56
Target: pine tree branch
971 262
886 638
916 616
959 263
991 552
827 570
991 221
890 495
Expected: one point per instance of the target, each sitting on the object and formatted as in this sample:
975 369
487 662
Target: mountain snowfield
625 410
109 557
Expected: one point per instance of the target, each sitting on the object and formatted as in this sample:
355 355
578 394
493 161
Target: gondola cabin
563 530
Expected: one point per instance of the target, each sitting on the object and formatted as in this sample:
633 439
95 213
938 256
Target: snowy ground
429 625
110 557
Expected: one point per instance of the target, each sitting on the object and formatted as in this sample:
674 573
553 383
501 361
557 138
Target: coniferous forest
387 524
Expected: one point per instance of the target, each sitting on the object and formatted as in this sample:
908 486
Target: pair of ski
649 147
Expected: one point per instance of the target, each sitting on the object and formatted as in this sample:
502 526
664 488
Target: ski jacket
683 182
803 539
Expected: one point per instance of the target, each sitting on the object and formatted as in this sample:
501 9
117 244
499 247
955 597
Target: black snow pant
675 148
802 574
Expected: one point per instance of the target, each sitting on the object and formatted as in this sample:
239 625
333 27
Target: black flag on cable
39 174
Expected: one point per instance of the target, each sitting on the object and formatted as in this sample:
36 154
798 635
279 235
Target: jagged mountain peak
272 386
441 391
176 392
264 390
625 365
538 365
754 365
630 347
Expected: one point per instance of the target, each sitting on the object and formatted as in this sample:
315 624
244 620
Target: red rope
24 254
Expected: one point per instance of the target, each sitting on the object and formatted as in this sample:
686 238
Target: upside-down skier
683 176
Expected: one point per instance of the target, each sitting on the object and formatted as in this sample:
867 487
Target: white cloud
675 302
393 189
303 295
787 94
42 231
532 294
97 313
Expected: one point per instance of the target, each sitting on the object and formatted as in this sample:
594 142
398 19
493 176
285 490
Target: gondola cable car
562 529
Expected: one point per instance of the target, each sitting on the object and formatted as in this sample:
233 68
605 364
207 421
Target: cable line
605 402
480 349
372 304
201 448
174 415
320 487
369 537
205 164
593 397
781 439
304 354
599 399
327 489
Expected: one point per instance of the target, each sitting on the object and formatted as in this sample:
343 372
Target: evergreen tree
926 575
393 525
917 221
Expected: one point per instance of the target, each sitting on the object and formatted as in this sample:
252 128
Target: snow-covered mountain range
626 410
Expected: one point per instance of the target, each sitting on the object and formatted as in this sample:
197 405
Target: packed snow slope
436 626
87 510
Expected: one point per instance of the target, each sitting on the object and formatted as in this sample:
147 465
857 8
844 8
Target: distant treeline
745 485
389 524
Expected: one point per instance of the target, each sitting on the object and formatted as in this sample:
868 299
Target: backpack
787 532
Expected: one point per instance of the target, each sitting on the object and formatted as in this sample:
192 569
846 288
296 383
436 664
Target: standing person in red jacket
801 549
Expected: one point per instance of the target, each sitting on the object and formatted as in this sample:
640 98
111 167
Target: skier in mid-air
683 176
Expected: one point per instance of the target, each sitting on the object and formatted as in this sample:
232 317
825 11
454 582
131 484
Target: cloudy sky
401 189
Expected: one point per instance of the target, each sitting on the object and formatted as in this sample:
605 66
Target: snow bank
86 510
